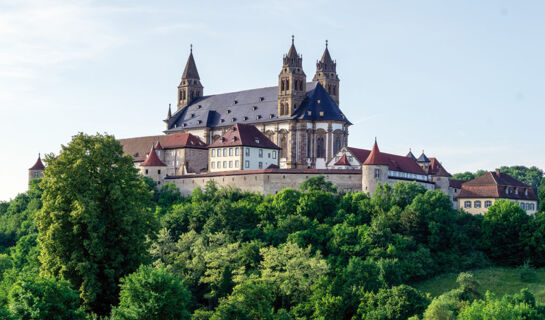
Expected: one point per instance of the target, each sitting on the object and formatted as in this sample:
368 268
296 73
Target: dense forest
95 240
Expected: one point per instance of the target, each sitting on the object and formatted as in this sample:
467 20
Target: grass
498 280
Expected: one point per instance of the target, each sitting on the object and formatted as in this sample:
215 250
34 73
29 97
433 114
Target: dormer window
321 113
516 190
200 121
199 106
258 117
222 120
245 118
234 139
526 192
257 140
222 139
228 111
192 115
318 101
185 124
271 116
254 108
234 119
236 101
261 98
309 113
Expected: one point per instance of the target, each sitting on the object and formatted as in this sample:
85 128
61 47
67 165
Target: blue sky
464 80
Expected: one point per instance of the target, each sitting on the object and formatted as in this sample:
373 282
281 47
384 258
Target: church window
309 145
287 84
271 116
281 85
284 146
477 204
337 144
234 119
467 204
320 148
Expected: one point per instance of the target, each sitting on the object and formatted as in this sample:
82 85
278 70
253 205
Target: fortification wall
268 181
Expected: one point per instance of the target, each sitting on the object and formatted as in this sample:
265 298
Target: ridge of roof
244 135
343 161
395 162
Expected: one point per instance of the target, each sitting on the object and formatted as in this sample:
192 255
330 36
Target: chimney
498 172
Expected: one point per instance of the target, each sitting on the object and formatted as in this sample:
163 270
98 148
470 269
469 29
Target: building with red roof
37 170
477 195
242 147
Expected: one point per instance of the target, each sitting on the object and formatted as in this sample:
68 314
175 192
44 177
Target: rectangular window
213 165
269 155
377 173
225 164
225 152
467 204
159 171
230 151
218 164
213 153
261 153
247 164
274 154
247 151
487 203
146 171
237 151
477 204
237 164
260 165
230 164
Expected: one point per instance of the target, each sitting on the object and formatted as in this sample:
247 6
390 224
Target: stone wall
268 181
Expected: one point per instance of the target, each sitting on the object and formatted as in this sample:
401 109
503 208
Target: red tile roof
158 145
38 165
139 147
437 169
343 161
497 185
395 162
375 157
453 183
244 135
153 160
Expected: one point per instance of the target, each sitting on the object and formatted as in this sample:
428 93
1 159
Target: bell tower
326 74
291 82
190 87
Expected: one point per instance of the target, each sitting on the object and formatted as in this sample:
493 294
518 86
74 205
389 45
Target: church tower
190 87
37 170
291 82
326 74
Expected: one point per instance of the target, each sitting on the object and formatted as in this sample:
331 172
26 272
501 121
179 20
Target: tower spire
190 86
326 74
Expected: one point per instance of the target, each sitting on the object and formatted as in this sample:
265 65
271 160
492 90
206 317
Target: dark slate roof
190 71
251 107
244 135
423 158
411 155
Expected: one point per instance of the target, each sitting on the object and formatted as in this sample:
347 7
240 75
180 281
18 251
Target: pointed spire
153 160
375 157
169 115
39 165
411 155
326 64
292 53
423 158
190 71
158 146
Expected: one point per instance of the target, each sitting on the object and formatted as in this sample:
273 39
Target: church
302 118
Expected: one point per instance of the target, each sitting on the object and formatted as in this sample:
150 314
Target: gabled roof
39 165
158 145
436 169
375 157
454 183
244 135
138 147
343 161
496 184
253 106
153 160
423 158
395 162
190 71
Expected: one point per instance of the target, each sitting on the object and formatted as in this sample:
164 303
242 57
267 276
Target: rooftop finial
326 43
292 39
375 139
191 48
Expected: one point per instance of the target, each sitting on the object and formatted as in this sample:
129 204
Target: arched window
287 84
337 144
183 94
281 85
301 85
320 148
309 145
284 146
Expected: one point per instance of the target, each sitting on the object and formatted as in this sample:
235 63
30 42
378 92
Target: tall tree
95 224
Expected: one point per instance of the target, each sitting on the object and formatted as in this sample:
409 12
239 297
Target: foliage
94 227
520 306
397 303
152 293
44 298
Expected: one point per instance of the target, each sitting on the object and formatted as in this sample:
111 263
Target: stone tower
326 74
37 170
153 167
423 162
190 87
374 170
291 82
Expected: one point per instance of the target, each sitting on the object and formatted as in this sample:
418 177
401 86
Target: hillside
498 280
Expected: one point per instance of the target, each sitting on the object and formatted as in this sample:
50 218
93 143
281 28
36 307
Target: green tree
152 293
518 307
541 195
95 226
252 299
318 183
504 226
397 303
44 298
